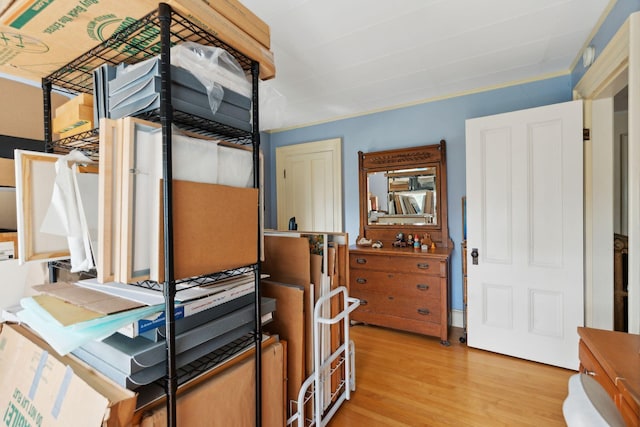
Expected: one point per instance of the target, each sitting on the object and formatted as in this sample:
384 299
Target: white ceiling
339 58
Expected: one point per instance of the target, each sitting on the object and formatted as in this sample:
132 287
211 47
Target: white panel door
309 185
525 220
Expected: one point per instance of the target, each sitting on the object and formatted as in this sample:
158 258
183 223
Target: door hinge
284 173
586 134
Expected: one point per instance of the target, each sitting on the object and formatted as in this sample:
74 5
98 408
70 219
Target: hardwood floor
405 379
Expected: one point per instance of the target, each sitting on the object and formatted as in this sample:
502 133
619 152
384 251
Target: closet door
309 185
525 233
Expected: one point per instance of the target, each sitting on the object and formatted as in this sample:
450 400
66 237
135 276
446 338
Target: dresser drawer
396 264
593 368
402 289
425 310
399 284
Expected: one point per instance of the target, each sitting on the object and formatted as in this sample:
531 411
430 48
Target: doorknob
474 255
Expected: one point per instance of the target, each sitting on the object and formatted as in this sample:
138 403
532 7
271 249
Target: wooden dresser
402 288
613 359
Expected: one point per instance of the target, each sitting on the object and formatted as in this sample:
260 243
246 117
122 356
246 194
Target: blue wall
411 126
618 15
428 123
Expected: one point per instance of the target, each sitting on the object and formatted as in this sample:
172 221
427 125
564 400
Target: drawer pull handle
422 287
424 311
361 260
590 373
361 280
363 302
423 265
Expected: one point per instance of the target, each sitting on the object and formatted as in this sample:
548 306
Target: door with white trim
309 185
525 250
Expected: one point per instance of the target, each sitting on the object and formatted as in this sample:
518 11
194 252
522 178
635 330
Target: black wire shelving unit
154 35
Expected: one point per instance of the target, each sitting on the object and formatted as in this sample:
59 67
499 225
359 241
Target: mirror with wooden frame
404 191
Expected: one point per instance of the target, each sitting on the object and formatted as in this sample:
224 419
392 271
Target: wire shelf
129 45
205 363
203 280
137 42
140 40
86 142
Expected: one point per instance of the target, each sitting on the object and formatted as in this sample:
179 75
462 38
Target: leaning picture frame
109 200
35 177
141 172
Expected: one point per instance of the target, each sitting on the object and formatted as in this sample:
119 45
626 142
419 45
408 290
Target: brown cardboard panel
316 274
316 280
89 396
8 209
288 322
7 173
24 98
65 312
214 228
343 262
331 260
87 298
234 388
287 259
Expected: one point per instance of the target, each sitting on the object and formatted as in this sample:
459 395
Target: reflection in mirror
406 196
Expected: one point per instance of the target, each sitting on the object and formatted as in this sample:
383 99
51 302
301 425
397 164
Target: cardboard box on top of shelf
40 388
40 36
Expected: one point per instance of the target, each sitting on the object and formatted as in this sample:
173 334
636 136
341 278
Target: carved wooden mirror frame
401 159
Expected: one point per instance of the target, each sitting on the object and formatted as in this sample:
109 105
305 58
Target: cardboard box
85 127
41 36
7 173
73 103
235 386
38 387
73 118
